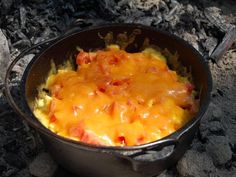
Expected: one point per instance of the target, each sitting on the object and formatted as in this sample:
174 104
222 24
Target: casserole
104 161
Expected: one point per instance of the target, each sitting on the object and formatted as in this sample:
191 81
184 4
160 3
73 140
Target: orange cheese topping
117 98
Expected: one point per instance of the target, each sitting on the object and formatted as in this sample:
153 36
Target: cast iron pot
101 161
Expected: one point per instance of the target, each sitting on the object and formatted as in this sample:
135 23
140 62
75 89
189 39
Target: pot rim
171 139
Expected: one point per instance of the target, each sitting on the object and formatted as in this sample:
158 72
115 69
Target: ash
202 23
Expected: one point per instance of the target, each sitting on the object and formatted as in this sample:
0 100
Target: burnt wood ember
204 24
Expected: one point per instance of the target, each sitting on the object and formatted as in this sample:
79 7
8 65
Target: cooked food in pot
116 98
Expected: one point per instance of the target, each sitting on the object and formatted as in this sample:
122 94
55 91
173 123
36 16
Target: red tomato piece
121 82
77 131
90 138
121 140
83 58
189 87
53 119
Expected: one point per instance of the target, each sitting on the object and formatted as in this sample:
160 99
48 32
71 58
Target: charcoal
14 160
43 166
23 173
192 39
213 15
12 146
217 113
4 55
5 6
210 44
24 43
224 71
190 9
10 172
219 149
167 174
215 127
195 164
203 24
22 17
3 166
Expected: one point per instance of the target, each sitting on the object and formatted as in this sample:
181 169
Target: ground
203 24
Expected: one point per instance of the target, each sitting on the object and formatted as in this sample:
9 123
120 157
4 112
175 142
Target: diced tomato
121 140
83 58
110 109
90 138
104 84
189 87
52 108
102 88
121 82
53 119
77 131
115 59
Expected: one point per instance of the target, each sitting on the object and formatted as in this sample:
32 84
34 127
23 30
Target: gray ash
202 23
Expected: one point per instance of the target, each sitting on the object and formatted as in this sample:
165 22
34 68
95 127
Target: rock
219 150
195 164
43 166
4 55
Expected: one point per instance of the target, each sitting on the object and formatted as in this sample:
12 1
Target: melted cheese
116 98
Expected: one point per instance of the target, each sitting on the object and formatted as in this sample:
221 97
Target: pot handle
6 87
152 156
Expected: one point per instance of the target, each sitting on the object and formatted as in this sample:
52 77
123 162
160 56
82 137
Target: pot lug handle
6 87
150 157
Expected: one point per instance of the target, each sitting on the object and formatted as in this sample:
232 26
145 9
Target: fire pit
203 24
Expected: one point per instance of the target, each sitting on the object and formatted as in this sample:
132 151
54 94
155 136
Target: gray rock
219 150
195 164
43 166
4 55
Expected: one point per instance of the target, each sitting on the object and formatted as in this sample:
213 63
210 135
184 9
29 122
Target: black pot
101 161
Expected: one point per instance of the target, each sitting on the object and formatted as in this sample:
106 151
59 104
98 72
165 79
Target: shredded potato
116 98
